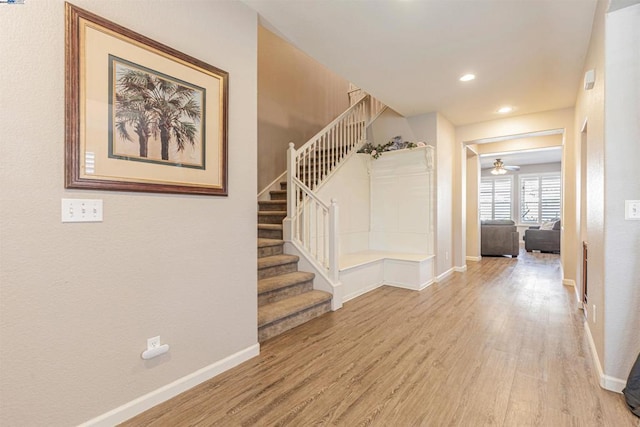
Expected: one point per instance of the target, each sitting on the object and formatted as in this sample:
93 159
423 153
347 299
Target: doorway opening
583 218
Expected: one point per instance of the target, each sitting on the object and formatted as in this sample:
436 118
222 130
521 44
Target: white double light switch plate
81 210
632 209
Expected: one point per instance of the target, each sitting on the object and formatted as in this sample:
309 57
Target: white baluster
333 240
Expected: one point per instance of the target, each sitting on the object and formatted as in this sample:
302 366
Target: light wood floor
502 344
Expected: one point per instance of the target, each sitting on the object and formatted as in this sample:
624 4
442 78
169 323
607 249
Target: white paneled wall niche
402 201
386 220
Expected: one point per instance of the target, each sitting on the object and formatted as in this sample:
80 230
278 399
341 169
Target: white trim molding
607 382
274 185
614 384
166 392
474 258
569 282
460 269
441 277
322 280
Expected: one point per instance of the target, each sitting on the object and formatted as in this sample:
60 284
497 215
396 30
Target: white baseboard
474 258
572 283
441 277
607 382
164 393
614 384
426 285
361 291
410 287
461 269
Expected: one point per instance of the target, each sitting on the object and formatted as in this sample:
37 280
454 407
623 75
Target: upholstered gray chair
544 240
499 237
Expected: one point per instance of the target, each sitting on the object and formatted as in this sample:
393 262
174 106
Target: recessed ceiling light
506 109
467 77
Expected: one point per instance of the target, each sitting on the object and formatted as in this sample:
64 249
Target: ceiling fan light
498 171
498 168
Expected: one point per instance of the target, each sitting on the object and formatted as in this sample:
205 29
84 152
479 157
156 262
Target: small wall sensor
589 79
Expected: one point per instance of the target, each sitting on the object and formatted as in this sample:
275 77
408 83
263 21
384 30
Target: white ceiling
410 53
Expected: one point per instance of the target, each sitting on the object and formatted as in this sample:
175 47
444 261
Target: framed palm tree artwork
141 116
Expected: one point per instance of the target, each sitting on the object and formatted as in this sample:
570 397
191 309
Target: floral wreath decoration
393 145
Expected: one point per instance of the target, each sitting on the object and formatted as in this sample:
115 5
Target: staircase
286 297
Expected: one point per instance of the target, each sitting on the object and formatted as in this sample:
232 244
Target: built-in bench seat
361 272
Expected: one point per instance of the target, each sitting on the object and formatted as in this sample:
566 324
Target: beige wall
388 125
297 97
520 144
590 110
78 301
609 115
621 159
473 203
435 129
517 125
445 173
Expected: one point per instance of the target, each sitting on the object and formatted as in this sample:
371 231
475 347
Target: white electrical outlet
154 349
153 342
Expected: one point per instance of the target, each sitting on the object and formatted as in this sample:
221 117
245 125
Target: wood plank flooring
502 344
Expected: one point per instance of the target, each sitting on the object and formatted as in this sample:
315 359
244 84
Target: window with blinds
496 198
540 198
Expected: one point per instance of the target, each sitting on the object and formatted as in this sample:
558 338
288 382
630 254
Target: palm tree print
132 109
152 106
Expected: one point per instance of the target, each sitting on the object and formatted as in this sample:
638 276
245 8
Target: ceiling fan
499 168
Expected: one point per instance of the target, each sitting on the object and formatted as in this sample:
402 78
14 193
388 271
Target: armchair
499 237
543 239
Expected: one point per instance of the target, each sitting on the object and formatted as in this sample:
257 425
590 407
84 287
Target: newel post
287 224
333 241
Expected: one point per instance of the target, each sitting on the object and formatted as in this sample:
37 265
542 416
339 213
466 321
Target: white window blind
529 199
551 198
486 199
495 198
540 198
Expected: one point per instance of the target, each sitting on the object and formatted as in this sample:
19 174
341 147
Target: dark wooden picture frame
141 116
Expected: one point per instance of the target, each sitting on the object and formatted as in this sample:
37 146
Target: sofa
544 238
498 237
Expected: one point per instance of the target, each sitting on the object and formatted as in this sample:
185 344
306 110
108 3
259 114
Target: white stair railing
322 154
311 224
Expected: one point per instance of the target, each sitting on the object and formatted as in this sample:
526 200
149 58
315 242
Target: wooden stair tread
269 226
264 242
278 310
274 260
272 202
283 280
265 213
